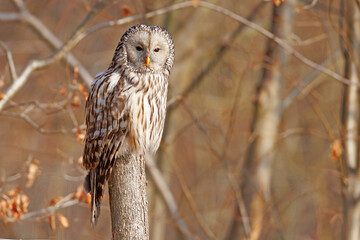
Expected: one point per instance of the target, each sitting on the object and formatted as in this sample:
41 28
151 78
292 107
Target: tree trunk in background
350 119
265 128
257 173
128 202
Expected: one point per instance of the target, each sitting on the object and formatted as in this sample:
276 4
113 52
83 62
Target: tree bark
350 120
128 201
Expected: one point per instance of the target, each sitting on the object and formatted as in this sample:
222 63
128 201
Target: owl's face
149 48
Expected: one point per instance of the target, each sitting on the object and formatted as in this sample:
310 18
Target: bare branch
20 5
10 61
38 64
80 33
290 50
298 89
43 31
311 5
231 178
27 119
65 202
5 179
4 17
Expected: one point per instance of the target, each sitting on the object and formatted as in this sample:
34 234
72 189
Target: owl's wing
106 120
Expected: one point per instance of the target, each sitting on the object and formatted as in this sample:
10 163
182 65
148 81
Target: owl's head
145 48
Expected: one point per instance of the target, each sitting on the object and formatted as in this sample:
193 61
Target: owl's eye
156 49
139 48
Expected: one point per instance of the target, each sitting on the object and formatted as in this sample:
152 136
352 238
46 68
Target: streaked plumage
126 107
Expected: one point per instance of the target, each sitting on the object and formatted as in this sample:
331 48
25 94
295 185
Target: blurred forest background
262 133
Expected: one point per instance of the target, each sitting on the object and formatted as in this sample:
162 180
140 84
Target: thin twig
5 179
65 202
10 60
298 89
27 119
231 178
311 5
282 43
44 32
80 33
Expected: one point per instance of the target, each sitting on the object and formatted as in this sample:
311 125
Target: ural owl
126 107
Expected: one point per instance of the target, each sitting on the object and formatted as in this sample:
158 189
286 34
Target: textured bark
128 202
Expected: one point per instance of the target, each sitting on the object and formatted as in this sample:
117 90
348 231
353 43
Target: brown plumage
125 110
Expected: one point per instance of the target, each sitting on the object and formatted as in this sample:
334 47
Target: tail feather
95 185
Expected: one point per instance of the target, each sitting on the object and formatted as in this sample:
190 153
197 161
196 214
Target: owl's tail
94 184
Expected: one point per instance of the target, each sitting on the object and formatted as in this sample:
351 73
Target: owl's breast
147 116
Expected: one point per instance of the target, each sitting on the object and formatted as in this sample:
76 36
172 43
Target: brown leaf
76 73
2 95
76 102
16 215
63 220
11 193
82 90
63 90
24 203
88 198
14 204
78 193
278 2
80 134
55 200
125 11
81 195
32 171
336 149
52 222
3 207
80 160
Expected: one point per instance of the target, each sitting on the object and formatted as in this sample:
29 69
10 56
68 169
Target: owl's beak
147 60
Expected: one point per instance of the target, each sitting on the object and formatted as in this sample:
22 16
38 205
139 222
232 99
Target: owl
126 107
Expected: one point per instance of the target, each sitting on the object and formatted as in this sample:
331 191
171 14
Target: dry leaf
278 2
81 195
125 11
32 171
1 95
82 90
80 160
76 73
63 220
80 134
11 193
55 200
76 102
14 204
52 222
24 202
336 149
88 198
63 90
